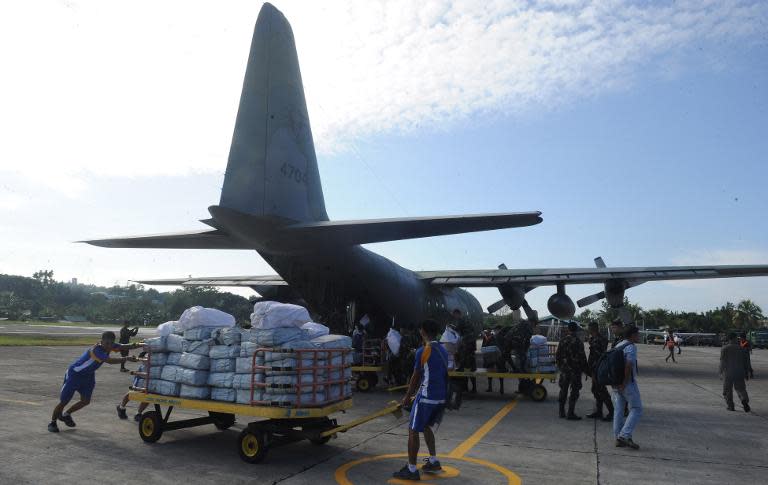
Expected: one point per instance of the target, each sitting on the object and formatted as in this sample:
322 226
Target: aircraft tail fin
272 167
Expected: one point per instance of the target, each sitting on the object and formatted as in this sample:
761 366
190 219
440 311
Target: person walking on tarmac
428 390
80 377
571 361
627 393
734 370
598 345
669 344
125 338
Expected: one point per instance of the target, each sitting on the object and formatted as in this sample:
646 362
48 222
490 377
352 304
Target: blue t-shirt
91 360
630 355
432 361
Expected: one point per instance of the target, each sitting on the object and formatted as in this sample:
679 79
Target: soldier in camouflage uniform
516 341
465 355
598 345
571 361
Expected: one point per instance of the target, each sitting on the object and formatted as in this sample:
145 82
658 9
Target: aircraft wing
249 281
531 278
207 239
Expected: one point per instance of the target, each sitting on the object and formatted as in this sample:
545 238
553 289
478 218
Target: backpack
609 370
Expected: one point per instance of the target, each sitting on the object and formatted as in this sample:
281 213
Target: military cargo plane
272 202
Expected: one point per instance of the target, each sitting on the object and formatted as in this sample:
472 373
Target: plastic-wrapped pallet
243 396
198 333
170 373
244 381
176 343
221 379
275 337
193 377
306 399
195 361
200 347
173 358
156 344
244 365
166 388
222 365
223 394
198 316
227 336
225 351
333 342
158 358
195 392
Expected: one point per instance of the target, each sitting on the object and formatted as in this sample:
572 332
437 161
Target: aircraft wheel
150 427
538 393
252 445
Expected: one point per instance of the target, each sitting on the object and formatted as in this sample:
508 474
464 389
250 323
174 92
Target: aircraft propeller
514 297
613 292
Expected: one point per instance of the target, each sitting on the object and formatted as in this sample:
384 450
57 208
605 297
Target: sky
639 129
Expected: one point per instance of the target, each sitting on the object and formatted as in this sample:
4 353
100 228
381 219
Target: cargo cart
530 383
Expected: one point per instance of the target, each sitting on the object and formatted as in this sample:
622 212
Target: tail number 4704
293 173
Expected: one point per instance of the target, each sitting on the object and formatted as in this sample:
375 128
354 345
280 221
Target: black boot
609 406
571 415
562 409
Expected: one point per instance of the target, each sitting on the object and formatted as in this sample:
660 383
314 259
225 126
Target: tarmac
64 330
686 435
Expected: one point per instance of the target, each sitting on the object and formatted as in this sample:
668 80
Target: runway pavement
686 435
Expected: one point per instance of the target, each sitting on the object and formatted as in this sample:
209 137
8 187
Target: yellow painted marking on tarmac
15 401
467 445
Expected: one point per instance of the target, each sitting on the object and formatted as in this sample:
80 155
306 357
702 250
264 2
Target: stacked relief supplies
539 357
284 360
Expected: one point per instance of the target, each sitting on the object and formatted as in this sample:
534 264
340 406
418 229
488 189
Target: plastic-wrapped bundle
155 371
335 359
244 381
195 361
226 336
287 384
247 349
198 316
222 365
289 365
170 373
139 382
275 337
166 388
176 343
315 330
337 374
244 365
225 351
200 347
177 330
220 379
158 358
244 396
198 333
193 377
306 399
337 391
271 314
223 394
195 392
156 344
333 342
173 358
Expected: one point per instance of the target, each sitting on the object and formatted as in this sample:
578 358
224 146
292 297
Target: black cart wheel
151 426
538 393
222 420
252 445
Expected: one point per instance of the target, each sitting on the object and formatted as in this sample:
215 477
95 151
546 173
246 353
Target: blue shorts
73 382
425 415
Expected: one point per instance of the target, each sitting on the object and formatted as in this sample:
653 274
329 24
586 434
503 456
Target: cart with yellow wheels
530 383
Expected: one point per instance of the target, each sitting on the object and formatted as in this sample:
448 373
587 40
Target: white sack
194 361
222 394
156 344
158 358
224 352
170 373
393 341
220 379
315 330
244 396
192 377
274 337
222 365
198 333
243 381
165 329
176 343
247 349
166 388
227 336
198 316
270 314
200 347
173 358
195 392
450 336
244 365
335 342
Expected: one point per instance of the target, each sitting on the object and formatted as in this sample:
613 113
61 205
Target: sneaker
430 467
620 443
53 427
406 474
137 418
68 420
121 412
627 442
746 407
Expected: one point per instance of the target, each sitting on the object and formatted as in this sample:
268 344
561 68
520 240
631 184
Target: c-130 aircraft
272 202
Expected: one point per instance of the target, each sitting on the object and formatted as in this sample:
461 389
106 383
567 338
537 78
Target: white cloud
145 89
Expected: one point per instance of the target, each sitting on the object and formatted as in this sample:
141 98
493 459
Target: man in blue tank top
428 390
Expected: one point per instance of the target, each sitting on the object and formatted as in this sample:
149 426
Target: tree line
41 296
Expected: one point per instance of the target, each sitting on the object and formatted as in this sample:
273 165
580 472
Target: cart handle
394 408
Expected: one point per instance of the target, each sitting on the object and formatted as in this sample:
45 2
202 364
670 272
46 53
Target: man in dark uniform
465 356
517 341
571 361
734 369
125 338
598 345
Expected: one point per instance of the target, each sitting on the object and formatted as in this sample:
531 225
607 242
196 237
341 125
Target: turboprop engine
560 305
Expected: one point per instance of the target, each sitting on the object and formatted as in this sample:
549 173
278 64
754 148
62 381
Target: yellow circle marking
342 479
147 427
447 472
250 445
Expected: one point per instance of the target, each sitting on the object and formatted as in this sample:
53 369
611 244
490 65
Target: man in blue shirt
428 389
81 377
627 393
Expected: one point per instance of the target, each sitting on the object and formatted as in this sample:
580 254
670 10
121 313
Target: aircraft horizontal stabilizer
182 240
380 230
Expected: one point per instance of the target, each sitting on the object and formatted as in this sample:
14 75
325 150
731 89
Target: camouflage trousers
572 382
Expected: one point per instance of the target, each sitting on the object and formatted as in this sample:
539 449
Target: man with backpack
625 389
571 361
598 345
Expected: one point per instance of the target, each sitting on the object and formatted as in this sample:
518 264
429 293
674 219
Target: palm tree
747 314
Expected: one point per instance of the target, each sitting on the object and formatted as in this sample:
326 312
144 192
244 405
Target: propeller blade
588 300
502 266
497 306
532 314
599 263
